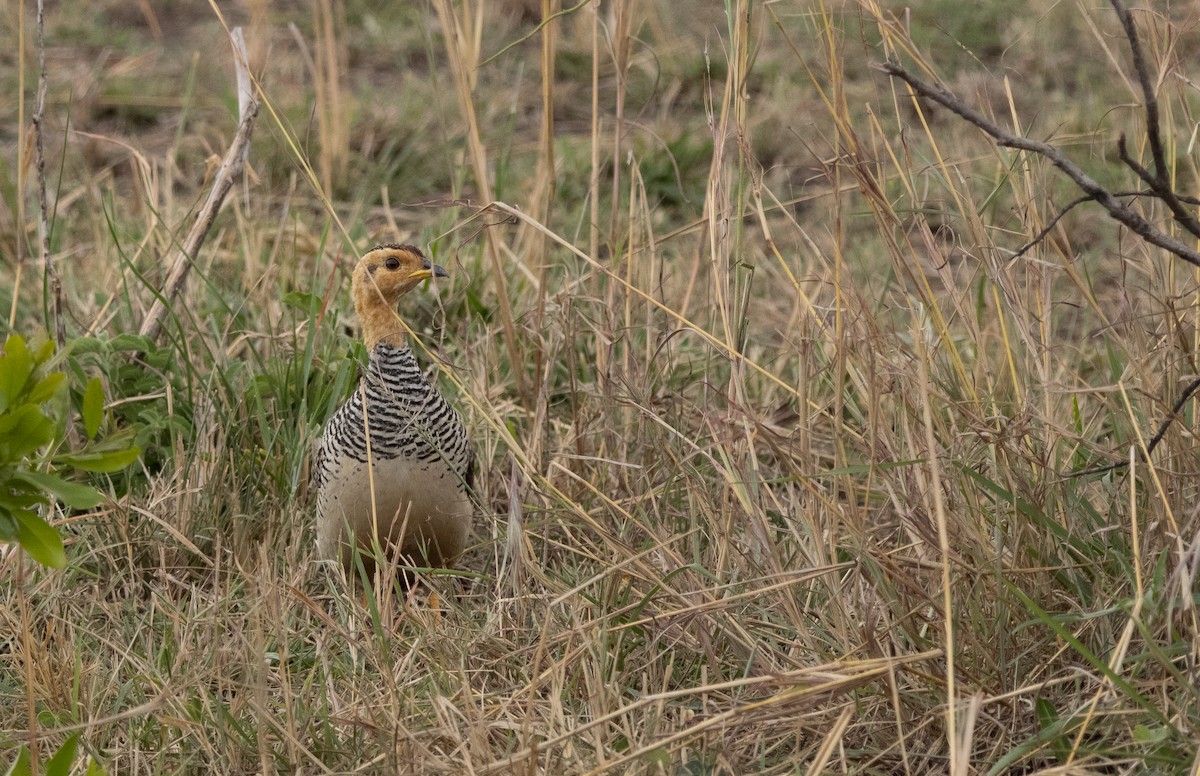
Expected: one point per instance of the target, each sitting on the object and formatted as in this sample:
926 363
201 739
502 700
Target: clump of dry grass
773 473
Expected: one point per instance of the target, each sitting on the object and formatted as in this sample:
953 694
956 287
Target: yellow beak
431 271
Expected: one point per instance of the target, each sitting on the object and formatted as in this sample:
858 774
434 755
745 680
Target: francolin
395 466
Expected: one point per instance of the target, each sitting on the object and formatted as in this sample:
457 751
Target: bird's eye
392 263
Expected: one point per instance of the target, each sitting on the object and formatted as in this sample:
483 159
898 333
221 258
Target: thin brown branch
1149 96
1154 441
1159 182
49 271
1050 226
1133 164
1076 203
229 171
1118 210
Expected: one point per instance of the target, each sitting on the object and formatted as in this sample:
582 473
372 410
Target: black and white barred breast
405 418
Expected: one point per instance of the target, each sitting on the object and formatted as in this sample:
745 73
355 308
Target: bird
394 468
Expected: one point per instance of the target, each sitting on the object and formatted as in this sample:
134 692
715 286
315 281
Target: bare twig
229 171
1076 203
1118 210
1154 441
49 272
1149 97
1159 182
1050 226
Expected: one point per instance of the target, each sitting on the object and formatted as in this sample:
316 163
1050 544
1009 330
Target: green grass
732 391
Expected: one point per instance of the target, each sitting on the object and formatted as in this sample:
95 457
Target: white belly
420 513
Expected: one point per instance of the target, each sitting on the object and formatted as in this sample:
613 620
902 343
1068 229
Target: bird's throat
380 323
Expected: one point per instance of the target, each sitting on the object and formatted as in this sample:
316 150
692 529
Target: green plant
140 375
34 427
59 764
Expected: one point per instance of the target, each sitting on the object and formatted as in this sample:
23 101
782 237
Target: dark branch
1108 200
1149 97
1154 441
1133 164
1158 182
1053 223
1076 203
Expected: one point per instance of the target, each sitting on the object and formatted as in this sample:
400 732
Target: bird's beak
431 270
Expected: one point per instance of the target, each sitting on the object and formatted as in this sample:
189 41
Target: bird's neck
380 323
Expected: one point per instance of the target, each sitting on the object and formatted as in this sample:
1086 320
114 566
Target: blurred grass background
756 385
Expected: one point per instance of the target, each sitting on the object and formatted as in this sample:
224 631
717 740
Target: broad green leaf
83 345
107 461
20 766
24 431
44 352
95 769
45 388
93 407
1150 734
15 368
131 342
40 540
60 764
1046 713
73 494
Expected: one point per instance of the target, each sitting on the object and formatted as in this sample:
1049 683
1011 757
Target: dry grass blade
462 53
801 687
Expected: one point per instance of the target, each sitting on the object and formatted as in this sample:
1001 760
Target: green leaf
1046 713
476 305
661 758
15 367
44 352
60 764
97 461
95 769
40 540
93 407
45 388
84 345
73 494
135 343
24 431
20 766
305 303
1145 734
14 496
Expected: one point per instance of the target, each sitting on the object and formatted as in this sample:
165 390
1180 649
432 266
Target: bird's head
388 272
385 274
